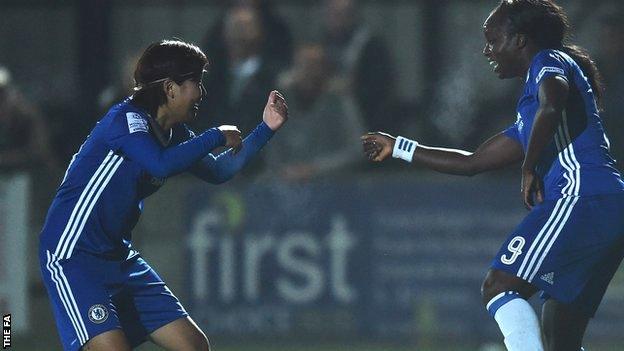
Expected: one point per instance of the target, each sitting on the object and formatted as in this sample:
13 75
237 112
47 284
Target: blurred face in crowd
243 32
310 69
340 16
501 48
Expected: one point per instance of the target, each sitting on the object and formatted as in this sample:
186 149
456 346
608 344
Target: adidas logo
548 278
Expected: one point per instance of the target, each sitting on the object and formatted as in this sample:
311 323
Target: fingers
235 142
233 137
531 194
367 137
525 191
236 148
373 155
528 201
539 193
277 102
371 146
279 96
372 149
275 96
272 95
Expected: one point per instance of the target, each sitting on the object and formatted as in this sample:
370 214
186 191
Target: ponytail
588 66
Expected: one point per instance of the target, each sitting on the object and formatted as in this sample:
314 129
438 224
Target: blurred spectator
361 59
240 76
246 50
609 59
24 135
324 130
279 48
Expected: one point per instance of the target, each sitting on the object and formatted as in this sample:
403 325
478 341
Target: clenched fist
233 138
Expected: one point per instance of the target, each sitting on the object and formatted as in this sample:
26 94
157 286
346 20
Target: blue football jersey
577 161
121 163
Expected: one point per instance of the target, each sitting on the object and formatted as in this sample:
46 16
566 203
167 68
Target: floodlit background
310 248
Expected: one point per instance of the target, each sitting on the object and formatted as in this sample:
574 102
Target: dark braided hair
547 25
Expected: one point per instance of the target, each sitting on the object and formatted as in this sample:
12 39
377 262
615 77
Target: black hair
547 25
166 59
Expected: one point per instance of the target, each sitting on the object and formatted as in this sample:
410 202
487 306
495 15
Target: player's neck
527 55
164 120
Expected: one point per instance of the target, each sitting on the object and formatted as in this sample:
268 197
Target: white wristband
404 148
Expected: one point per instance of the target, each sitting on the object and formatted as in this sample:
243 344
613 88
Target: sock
517 321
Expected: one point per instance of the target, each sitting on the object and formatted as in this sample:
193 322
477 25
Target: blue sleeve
549 63
221 168
134 142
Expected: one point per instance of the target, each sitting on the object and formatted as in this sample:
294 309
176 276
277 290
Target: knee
490 287
497 282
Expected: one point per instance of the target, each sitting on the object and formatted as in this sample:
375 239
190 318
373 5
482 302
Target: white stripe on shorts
67 298
554 237
543 242
538 238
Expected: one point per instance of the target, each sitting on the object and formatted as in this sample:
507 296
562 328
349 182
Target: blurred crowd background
413 68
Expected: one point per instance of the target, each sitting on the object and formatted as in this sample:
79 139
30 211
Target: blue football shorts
91 295
569 248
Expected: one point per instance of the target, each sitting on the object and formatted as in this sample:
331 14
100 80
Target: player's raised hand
378 145
276 111
233 138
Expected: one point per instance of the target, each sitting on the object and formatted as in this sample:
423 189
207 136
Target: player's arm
553 94
497 152
221 168
164 162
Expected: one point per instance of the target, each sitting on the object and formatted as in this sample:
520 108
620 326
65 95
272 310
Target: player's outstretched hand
233 138
378 145
276 111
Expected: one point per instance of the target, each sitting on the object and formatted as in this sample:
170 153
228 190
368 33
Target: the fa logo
98 314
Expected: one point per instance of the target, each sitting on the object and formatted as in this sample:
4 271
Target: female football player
572 241
104 295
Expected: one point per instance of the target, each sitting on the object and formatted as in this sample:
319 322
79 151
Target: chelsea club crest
98 313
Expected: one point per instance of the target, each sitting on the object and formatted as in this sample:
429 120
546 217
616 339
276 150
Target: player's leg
180 335
110 340
530 260
594 246
497 282
563 326
81 302
504 296
153 313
